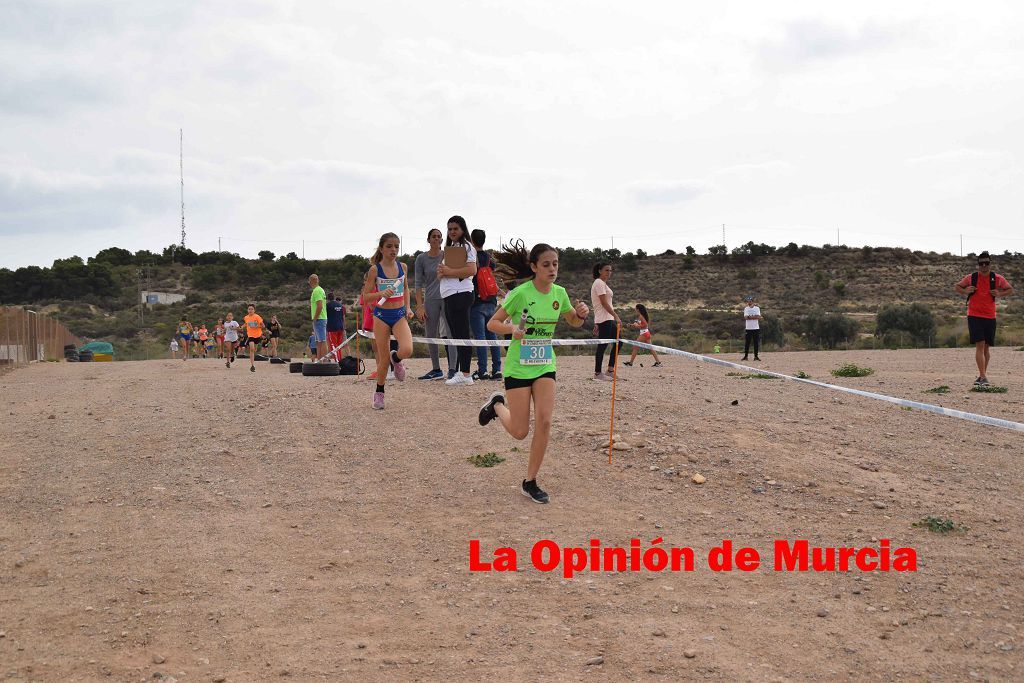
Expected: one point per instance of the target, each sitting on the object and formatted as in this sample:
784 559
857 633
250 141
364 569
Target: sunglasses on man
984 263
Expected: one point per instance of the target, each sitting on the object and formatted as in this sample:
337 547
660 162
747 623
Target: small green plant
906 408
750 375
853 370
939 525
989 389
517 449
944 389
802 375
485 459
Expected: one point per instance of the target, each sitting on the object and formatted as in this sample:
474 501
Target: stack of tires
85 356
70 353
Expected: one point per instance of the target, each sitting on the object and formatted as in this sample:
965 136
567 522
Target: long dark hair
643 311
514 261
378 255
464 238
597 269
432 230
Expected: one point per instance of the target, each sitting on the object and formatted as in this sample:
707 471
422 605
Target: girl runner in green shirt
530 362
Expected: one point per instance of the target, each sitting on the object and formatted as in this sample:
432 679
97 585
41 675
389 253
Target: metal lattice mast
181 164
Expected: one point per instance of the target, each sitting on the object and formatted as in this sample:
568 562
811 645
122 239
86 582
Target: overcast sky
577 123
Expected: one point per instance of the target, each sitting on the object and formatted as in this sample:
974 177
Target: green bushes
828 329
915 320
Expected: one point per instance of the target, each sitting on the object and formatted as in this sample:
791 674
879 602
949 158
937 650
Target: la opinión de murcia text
796 555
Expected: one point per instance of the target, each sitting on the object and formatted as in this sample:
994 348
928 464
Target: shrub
829 329
852 370
914 319
747 274
772 331
839 287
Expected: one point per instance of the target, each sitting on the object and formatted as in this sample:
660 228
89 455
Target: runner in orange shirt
254 329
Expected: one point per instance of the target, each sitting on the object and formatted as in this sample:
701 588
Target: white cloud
653 192
328 121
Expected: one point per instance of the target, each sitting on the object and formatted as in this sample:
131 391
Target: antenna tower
181 165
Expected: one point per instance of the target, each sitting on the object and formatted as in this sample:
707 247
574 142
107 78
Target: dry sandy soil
178 520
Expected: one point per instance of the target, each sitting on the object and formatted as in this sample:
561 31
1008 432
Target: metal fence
28 337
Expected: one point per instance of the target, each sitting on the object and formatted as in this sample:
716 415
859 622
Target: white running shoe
391 374
459 379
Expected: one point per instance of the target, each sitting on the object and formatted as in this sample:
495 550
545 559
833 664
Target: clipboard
455 256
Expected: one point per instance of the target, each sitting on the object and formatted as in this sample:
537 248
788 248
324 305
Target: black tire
72 358
85 357
70 347
295 367
320 369
260 356
277 361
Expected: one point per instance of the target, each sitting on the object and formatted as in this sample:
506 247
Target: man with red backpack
485 302
981 289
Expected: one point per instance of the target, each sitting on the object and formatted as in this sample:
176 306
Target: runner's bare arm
578 315
500 324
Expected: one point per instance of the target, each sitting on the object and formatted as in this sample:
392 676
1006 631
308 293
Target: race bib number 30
535 352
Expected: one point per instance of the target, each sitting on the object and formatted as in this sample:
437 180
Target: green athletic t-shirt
543 312
318 295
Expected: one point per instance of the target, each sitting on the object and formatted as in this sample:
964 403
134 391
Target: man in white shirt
751 318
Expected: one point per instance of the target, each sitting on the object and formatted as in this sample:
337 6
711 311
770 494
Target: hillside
694 298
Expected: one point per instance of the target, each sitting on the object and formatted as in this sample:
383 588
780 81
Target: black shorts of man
981 288
752 322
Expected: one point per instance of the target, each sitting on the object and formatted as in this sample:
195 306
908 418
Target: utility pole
961 244
723 234
303 250
837 237
181 167
613 241
218 243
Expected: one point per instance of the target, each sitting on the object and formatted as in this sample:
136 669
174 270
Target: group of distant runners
228 338
458 297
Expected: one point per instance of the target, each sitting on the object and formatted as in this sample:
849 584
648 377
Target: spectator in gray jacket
430 305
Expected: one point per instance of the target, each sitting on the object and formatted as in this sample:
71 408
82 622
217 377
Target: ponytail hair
379 254
514 261
597 269
643 311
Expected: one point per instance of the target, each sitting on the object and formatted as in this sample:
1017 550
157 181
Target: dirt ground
177 520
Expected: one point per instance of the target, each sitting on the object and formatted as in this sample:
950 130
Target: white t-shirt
231 330
453 285
752 310
174 345
596 290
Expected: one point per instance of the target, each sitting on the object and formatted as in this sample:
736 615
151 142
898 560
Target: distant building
150 298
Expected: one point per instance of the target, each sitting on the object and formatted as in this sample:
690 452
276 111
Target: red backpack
486 285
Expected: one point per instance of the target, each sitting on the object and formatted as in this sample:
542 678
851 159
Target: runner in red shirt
981 310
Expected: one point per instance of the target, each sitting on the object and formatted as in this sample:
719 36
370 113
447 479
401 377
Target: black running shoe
487 413
497 375
534 492
628 363
252 368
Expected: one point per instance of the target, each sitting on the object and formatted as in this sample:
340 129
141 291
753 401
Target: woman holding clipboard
456 273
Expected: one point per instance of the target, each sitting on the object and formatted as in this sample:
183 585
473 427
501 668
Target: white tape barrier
496 342
339 347
948 412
